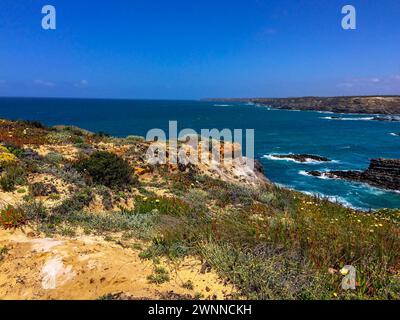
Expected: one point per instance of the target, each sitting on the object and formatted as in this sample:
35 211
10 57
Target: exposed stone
356 104
382 173
302 157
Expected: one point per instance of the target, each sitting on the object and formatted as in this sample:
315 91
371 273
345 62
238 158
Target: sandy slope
89 267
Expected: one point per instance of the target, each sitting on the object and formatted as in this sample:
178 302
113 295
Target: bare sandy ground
88 267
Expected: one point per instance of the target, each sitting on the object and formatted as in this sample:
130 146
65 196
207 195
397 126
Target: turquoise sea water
351 142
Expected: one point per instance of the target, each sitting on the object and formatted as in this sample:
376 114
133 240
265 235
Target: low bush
267 274
159 276
6 158
11 217
54 158
163 205
3 252
66 173
32 124
107 169
41 189
13 175
106 197
64 137
35 211
76 203
15 150
7 184
138 225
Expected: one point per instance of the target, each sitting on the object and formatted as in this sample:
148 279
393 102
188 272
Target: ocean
350 142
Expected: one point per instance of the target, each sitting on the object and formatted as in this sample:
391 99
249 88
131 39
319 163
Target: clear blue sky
187 49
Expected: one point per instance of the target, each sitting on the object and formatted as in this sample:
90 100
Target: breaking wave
273 157
323 176
349 119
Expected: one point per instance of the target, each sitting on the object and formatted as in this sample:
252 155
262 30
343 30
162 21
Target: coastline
77 205
372 105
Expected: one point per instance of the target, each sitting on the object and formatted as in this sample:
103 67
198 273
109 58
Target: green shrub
11 217
35 210
106 197
32 124
138 225
198 198
7 184
3 252
107 169
54 197
6 158
64 137
188 285
66 173
163 205
15 150
266 274
134 139
12 176
41 189
159 276
54 158
76 203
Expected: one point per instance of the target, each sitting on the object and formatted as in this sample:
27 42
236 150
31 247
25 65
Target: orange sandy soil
88 267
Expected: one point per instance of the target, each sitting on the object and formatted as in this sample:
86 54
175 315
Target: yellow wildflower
344 271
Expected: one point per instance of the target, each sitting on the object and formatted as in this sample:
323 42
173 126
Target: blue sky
181 49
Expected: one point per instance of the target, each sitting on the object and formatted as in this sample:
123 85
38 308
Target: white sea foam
323 175
349 119
394 134
273 157
222 105
326 112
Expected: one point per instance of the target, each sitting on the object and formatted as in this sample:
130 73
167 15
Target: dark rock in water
302 157
382 173
388 118
315 173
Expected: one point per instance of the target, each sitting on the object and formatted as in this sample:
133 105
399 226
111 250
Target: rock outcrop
302 157
356 104
382 173
387 119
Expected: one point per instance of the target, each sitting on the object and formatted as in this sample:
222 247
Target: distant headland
349 104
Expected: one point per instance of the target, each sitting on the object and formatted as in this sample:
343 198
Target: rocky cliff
356 104
382 173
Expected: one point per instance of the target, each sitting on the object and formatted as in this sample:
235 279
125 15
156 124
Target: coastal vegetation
265 241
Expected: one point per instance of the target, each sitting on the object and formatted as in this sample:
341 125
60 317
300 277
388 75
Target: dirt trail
89 267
